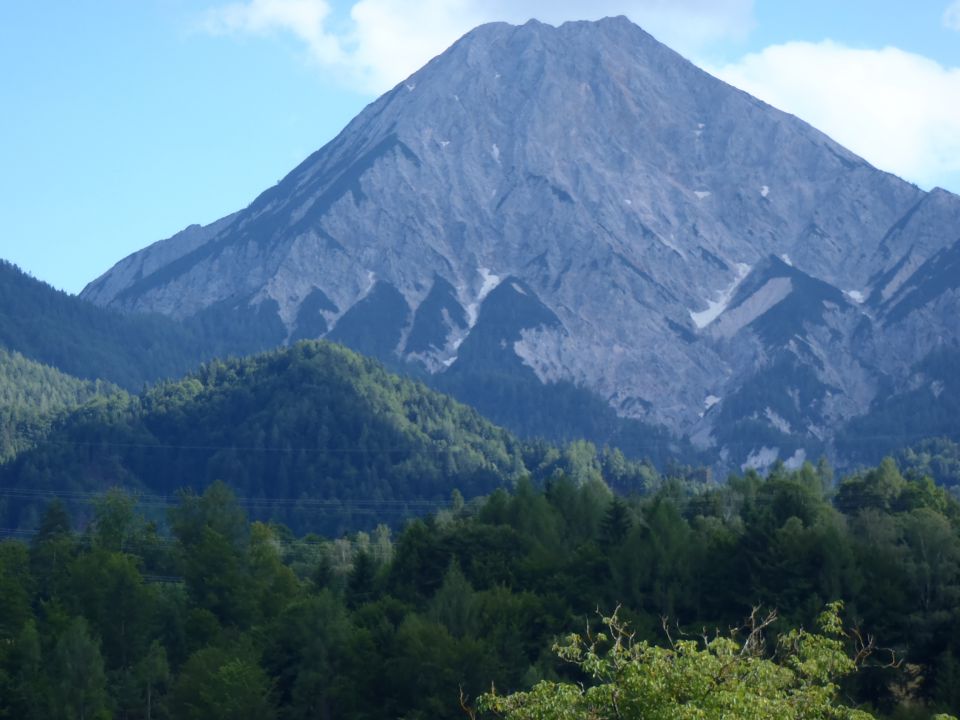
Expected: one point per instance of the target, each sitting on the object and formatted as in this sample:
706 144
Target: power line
146 498
177 499
253 448
647 443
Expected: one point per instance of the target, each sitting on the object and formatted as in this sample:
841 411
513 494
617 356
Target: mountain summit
582 204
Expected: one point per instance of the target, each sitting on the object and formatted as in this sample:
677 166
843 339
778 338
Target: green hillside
32 396
80 339
313 433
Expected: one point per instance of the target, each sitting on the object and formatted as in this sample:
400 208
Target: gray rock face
685 239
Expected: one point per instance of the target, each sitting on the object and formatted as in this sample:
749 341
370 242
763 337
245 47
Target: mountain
582 208
314 434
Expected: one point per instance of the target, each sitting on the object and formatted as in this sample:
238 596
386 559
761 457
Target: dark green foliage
562 412
616 523
79 682
937 458
235 326
222 684
362 579
33 397
213 534
313 435
88 342
51 551
16 590
314 647
315 422
131 350
252 622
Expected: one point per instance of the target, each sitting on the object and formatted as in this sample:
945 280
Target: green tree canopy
719 677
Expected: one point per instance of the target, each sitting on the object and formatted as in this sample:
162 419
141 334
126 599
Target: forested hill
314 434
86 341
34 395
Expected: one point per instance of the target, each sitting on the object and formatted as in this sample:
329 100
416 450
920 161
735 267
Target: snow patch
496 152
447 356
716 307
764 190
669 243
777 421
488 282
628 202
705 317
443 143
411 86
473 310
702 194
518 288
710 401
855 295
786 259
371 280
937 387
761 459
796 460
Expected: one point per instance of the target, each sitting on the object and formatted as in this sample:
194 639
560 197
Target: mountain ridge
311 431
628 191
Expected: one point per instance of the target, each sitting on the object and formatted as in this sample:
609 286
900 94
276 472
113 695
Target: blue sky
123 122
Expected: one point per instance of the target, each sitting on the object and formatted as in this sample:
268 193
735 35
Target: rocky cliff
582 204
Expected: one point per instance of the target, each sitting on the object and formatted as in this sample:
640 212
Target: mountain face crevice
624 199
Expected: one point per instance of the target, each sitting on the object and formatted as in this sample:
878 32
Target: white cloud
898 110
951 16
305 19
387 40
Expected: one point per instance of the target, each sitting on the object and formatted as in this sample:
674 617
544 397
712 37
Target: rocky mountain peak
620 194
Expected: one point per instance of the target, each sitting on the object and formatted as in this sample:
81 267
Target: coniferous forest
301 534
200 613
314 435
